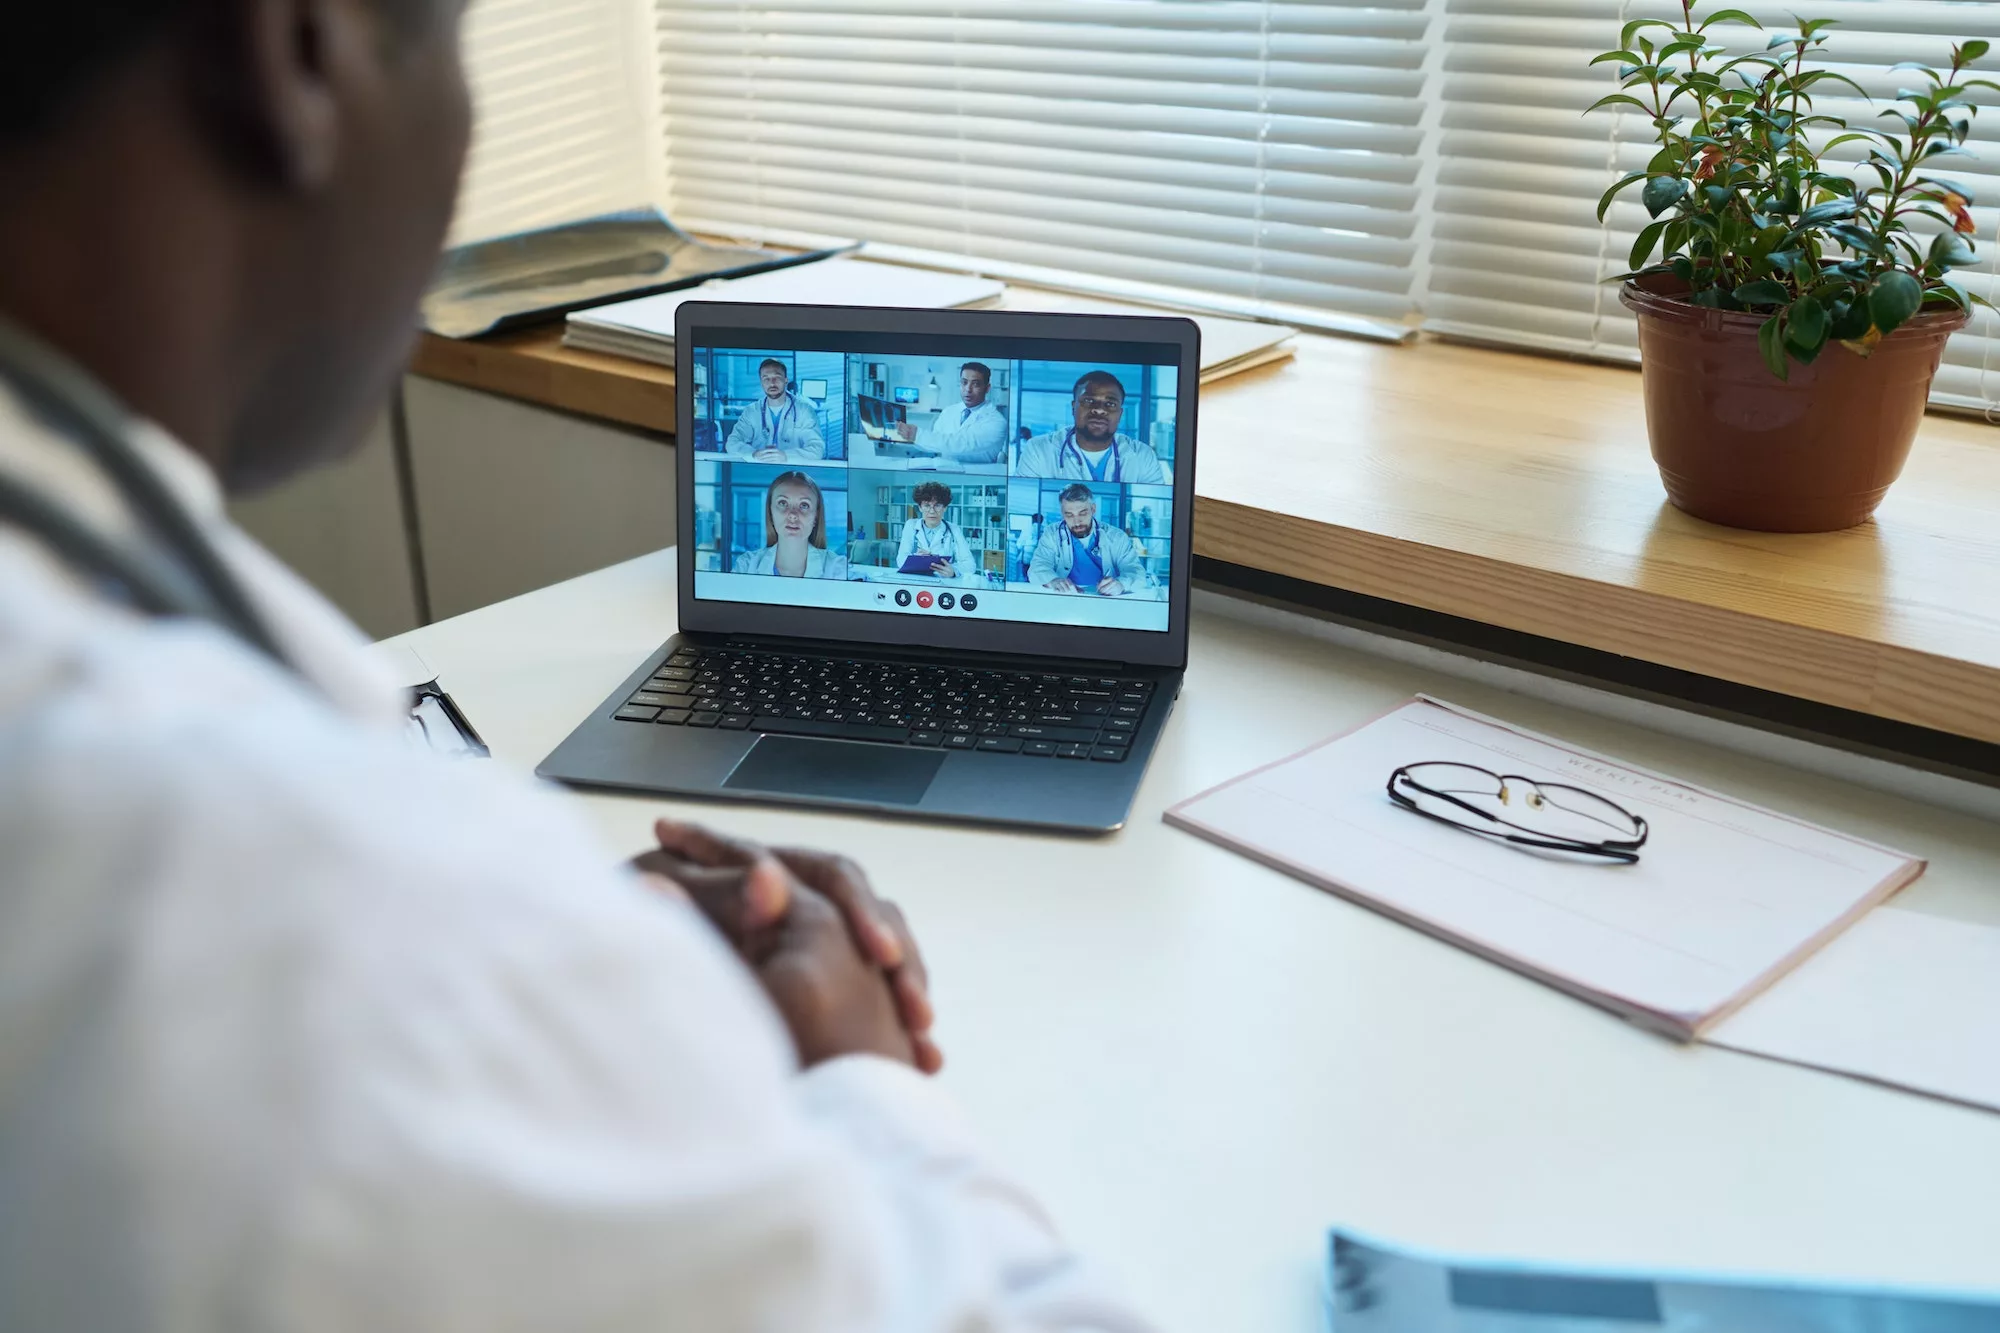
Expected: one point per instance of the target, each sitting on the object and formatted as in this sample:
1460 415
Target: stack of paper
1726 899
644 329
1746 929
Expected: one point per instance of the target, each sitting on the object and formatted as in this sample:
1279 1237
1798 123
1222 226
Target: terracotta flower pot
1737 445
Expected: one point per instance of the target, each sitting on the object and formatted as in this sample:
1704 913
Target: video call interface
981 486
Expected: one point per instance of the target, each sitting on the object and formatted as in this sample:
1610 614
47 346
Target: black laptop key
1073 751
1040 749
1035 732
927 738
673 717
960 740
1000 744
735 721
659 686
704 719
1125 725
1110 754
636 713
653 699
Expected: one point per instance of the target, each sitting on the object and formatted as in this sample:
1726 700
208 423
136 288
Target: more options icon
946 601
967 603
902 597
924 600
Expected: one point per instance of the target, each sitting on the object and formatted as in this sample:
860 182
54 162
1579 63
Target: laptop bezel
701 321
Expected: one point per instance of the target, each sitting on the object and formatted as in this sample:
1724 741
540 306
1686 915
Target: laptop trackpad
844 770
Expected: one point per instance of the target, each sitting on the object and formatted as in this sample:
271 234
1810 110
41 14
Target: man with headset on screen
1091 448
306 1029
777 428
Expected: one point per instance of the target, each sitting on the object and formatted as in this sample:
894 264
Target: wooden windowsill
1518 491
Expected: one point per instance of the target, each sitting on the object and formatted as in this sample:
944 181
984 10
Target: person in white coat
777 428
932 534
1091 448
306 1029
972 431
794 534
1080 554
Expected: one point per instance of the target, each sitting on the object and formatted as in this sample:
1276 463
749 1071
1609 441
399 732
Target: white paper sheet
1902 998
850 282
1725 899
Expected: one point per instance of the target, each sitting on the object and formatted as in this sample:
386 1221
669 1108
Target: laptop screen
1000 480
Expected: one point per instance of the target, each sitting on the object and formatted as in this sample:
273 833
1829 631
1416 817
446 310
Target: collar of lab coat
324 646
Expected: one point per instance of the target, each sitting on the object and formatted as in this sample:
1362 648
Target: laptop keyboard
1044 715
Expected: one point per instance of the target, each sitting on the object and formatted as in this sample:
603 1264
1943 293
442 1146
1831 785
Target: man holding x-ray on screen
974 431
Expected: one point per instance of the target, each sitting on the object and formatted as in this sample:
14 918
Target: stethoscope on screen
199 586
1115 473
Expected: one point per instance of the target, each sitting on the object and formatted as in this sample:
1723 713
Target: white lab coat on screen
976 435
790 425
946 541
304 1029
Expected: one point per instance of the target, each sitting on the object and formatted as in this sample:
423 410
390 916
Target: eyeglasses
1510 808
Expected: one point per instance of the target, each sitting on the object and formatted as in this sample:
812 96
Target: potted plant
1795 316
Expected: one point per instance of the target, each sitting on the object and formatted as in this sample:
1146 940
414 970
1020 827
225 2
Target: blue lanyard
771 424
1115 464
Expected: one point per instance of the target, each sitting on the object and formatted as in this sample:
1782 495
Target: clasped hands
837 961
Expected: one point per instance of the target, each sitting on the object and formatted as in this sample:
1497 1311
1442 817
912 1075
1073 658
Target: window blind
1265 155
1517 255
561 130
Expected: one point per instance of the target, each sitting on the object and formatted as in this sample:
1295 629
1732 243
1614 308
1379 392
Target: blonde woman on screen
794 534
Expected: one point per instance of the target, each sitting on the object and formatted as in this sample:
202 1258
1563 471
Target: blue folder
1375 1287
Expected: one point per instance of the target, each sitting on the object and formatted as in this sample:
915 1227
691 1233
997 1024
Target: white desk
1201 1063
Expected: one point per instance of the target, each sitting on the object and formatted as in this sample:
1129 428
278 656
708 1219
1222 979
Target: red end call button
924 600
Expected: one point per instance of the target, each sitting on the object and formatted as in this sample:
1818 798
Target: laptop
1030 690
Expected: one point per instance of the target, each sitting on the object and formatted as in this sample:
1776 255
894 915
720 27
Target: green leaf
1662 193
1763 292
1949 250
1806 324
1730 16
1642 249
1811 26
1770 342
1617 99
1622 57
1604 204
1850 321
1821 214
1818 76
1892 299
1858 136
1633 28
1965 54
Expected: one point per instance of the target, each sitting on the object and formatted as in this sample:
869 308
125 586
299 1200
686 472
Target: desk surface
1519 491
1200 1063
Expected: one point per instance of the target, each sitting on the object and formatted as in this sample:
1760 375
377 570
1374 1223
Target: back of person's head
227 210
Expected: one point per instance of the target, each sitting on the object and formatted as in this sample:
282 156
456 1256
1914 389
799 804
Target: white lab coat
307 1030
1055 557
946 542
792 427
820 563
1058 455
980 437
